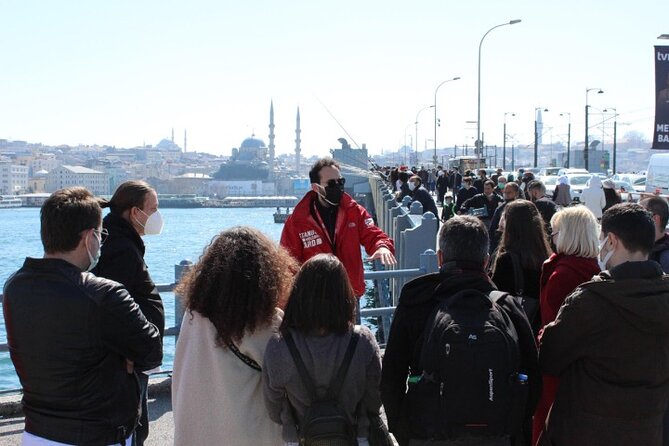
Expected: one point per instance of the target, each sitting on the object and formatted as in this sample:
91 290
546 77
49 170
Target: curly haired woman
234 298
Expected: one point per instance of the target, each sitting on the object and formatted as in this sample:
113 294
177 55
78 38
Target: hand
384 254
130 366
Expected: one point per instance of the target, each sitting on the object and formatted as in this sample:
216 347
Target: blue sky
127 72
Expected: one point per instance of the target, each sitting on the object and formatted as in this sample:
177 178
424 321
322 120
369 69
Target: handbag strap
245 359
517 273
337 381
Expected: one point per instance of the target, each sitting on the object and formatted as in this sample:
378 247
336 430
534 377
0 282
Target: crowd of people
545 324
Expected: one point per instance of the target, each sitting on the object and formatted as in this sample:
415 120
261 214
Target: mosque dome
252 143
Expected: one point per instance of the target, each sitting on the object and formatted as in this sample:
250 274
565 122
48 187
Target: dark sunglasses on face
338 182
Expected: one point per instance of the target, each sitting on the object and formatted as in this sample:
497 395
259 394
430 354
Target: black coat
423 197
402 355
70 334
122 260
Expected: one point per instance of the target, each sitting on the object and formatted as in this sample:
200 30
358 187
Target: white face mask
607 257
154 223
412 185
94 259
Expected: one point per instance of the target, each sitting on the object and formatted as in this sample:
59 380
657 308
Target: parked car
572 171
577 183
637 181
657 179
549 171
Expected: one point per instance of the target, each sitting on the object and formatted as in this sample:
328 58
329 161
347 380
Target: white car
577 182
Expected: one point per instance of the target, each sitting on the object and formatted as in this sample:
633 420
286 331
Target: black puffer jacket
403 350
69 335
123 261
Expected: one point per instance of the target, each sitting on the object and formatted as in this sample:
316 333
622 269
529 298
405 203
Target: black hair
315 172
658 206
632 224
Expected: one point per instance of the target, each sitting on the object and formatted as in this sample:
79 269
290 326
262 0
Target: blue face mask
93 260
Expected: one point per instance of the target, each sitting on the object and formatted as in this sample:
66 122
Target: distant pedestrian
611 195
593 196
562 192
511 192
420 194
482 205
466 192
442 186
546 207
234 298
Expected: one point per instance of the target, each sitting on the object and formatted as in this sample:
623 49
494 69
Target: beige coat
216 398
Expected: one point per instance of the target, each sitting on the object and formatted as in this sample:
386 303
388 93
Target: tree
636 139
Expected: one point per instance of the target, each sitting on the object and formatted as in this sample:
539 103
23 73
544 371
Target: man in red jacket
328 220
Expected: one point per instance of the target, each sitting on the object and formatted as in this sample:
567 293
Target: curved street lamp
478 142
434 158
586 148
416 124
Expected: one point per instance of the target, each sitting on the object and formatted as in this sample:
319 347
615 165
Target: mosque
254 160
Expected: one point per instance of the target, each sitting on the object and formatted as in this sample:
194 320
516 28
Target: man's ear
315 187
613 239
656 220
439 259
486 261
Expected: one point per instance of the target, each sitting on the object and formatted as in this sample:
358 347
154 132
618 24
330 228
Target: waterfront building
68 176
13 178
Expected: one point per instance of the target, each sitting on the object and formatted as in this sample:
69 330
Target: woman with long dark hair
521 253
233 299
319 325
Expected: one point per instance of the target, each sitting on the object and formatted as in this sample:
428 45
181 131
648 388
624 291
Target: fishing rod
337 121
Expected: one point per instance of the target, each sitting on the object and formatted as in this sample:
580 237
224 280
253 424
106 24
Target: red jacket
304 235
560 276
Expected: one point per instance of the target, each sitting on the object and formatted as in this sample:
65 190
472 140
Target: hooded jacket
660 252
610 347
593 196
304 235
402 356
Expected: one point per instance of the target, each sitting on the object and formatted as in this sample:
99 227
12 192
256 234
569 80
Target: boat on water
281 217
182 201
9 201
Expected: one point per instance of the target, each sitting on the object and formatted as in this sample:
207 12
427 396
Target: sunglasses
338 182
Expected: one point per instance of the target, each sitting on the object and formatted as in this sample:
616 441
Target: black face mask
333 194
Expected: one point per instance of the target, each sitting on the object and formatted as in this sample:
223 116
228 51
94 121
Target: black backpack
471 382
324 422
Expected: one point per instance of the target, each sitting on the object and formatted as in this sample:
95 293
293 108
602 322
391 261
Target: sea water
185 235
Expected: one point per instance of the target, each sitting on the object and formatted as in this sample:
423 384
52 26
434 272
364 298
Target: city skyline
123 74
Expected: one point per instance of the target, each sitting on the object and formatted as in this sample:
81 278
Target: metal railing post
179 270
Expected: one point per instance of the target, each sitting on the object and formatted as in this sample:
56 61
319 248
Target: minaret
297 142
271 140
185 141
172 134
540 126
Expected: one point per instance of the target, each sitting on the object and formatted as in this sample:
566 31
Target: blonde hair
578 232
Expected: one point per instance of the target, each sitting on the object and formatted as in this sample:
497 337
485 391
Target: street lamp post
416 130
435 117
504 140
405 143
478 142
536 135
586 148
615 125
568 136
